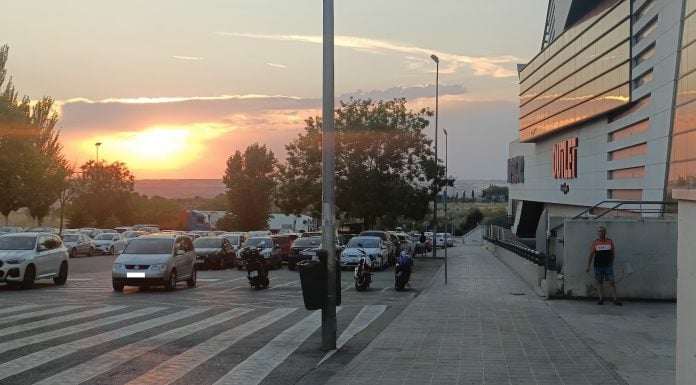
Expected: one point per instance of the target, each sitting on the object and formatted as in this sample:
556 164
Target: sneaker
617 303
600 302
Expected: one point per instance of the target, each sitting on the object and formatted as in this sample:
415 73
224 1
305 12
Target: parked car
407 244
236 239
285 242
154 260
123 229
128 235
26 257
214 252
386 238
297 246
311 253
109 243
10 229
90 231
78 244
268 249
373 246
440 240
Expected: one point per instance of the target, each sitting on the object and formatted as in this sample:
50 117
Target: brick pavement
484 326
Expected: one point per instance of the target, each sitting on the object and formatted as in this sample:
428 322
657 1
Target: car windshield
149 246
207 243
370 243
104 237
131 234
256 242
234 239
306 242
69 238
17 243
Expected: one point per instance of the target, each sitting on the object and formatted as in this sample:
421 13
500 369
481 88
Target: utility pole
328 202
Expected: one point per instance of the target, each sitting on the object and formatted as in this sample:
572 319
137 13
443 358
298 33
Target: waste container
313 277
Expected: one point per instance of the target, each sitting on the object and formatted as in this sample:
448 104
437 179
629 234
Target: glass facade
682 161
582 74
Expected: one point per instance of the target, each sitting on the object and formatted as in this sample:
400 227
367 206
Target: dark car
214 252
298 245
268 249
285 242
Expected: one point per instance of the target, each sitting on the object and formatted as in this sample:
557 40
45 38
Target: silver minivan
155 260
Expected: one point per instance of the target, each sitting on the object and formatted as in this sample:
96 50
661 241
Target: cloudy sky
174 87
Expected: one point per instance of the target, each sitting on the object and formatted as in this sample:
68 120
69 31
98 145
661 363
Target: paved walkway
487 326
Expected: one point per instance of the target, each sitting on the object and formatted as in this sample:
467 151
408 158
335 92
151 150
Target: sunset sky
174 87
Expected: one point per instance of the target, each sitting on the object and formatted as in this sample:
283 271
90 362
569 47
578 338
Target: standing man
603 252
422 239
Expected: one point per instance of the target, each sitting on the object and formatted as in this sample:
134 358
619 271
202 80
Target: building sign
515 170
565 159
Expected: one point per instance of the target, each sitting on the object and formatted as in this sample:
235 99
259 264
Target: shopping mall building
607 110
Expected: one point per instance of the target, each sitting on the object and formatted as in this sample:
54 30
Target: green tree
385 167
103 195
167 213
250 181
473 218
32 165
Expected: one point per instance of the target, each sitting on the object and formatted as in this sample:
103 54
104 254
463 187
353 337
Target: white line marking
33 360
79 279
17 308
284 284
57 320
255 368
42 337
178 366
114 358
366 316
38 313
385 289
208 279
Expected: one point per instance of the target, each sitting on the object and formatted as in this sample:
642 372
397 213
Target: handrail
618 204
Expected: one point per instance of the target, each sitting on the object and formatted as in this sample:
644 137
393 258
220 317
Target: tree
32 165
104 195
495 193
385 167
473 218
168 214
250 181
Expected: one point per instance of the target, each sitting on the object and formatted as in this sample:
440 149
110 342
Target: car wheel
171 283
73 252
111 250
90 252
29 278
117 286
62 276
192 281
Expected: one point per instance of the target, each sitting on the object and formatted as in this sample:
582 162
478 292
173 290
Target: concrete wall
474 237
645 266
530 273
686 287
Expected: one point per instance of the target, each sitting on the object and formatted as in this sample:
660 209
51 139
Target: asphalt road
221 331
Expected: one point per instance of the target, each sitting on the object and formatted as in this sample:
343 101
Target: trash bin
313 276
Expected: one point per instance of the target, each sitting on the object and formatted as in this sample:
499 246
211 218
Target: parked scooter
363 272
402 271
257 270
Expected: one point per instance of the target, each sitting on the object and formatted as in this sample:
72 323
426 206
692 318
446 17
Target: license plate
135 275
253 274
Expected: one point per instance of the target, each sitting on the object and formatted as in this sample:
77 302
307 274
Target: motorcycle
402 271
257 270
363 272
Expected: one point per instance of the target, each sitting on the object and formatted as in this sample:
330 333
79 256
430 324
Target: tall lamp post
96 146
446 199
437 181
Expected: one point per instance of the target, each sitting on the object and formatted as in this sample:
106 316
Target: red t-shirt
603 252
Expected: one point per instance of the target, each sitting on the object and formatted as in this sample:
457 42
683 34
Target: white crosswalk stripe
108 361
13 309
208 334
57 320
42 337
255 368
37 313
178 366
33 360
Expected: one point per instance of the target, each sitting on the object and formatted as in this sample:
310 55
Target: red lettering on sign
565 159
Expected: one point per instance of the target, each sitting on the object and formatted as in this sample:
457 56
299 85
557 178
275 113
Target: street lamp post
96 146
437 181
446 217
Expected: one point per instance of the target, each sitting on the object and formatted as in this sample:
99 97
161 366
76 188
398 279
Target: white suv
26 257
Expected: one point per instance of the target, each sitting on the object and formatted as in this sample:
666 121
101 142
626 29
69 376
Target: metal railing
508 240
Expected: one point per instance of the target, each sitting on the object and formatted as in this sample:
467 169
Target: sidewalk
487 326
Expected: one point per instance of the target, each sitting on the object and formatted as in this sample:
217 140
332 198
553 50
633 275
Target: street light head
97 144
435 58
445 131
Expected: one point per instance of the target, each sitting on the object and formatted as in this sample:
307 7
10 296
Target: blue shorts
602 274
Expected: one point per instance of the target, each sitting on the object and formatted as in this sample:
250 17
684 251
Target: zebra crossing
73 344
